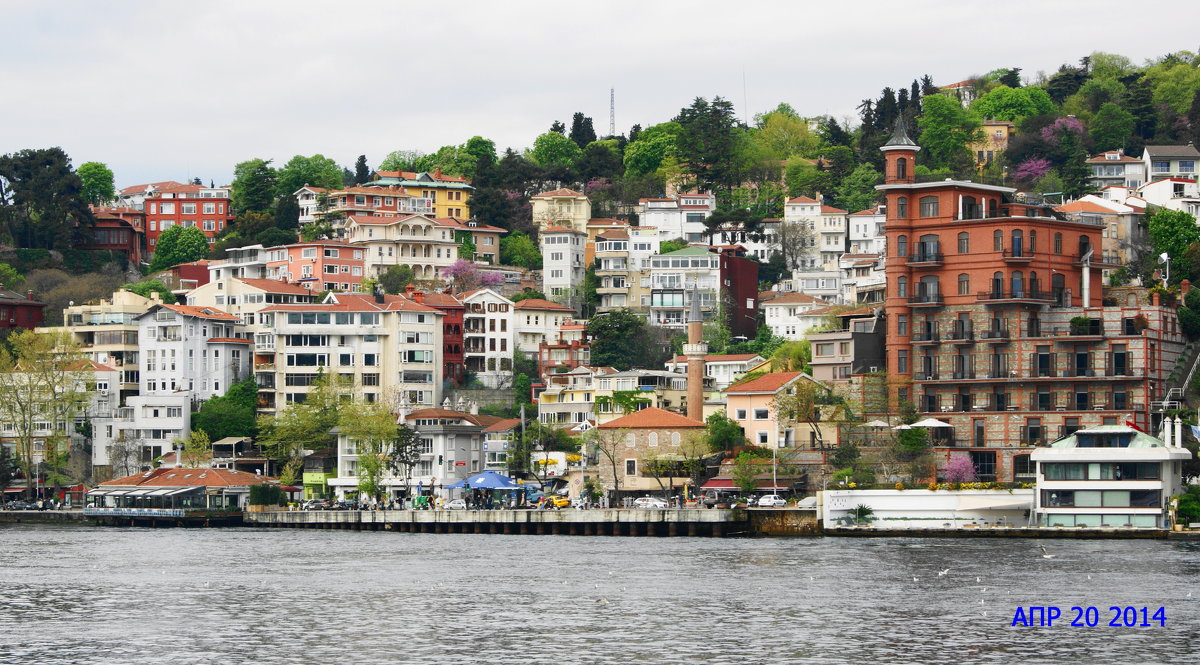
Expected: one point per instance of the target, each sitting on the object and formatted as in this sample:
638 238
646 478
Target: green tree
857 190
42 202
362 172
708 143
518 249
1111 127
528 295
10 278
232 414
722 434
1074 171
1173 232
97 183
784 134
145 287
946 131
372 429
620 340
482 151
395 278
582 132
1174 83
653 146
179 244
805 179
275 237
745 473
402 160
554 149
287 212
197 449
306 425
8 467
254 187
1007 103
600 159
317 171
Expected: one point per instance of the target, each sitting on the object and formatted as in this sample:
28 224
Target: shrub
265 494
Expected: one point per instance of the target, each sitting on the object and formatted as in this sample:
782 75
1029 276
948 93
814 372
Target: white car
649 502
772 501
456 504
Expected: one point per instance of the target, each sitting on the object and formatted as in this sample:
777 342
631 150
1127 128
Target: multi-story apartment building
107 332
189 349
568 349
175 204
1116 168
786 313
483 237
249 261
536 321
417 241
676 218
1170 161
561 207
723 368
452 331
856 348
135 196
995 314
498 438
562 260
725 281
622 258
387 348
244 298
488 336
1124 236
118 229
319 265
866 234
760 243
434 194
570 397
1173 194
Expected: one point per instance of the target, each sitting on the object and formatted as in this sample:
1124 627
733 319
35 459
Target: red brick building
119 229
19 311
996 322
175 204
452 332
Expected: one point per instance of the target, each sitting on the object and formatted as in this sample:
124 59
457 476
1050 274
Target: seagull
1089 577
602 601
811 578
983 590
1189 594
942 573
1045 555
914 578
596 586
980 601
977 580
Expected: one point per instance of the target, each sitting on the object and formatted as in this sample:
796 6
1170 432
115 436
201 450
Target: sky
172 90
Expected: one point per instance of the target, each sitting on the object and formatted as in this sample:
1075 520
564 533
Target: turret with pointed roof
900 154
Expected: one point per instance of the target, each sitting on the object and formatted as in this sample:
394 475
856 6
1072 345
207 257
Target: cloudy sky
170 90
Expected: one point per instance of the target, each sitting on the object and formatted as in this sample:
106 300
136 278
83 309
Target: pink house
321 265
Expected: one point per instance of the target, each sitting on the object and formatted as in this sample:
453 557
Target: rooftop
652 418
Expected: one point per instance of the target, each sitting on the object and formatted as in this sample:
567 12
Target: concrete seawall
42 516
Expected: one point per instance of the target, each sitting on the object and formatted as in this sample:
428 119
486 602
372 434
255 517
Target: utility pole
612 111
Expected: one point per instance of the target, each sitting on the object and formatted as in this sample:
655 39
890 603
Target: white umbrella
931 422
902 427
875 423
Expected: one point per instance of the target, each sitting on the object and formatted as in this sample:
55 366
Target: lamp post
1165 259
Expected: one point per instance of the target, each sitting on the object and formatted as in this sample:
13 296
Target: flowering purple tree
1051 132
466 276
960 469
1031 170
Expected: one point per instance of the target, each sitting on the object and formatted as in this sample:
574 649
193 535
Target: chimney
438 172
408 290
419 296
29 295
378 293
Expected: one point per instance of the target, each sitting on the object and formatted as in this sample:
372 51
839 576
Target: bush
266 495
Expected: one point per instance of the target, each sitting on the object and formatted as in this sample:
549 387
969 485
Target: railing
965 374
926 299
1017 256
920 337
1001 334
961 334
925 376
927 258
1023 294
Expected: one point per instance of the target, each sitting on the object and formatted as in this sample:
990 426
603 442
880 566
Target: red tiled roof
87 364
557 193
183 477
181 188
1085 206
605 221
461 224
202 312
274 286
1100 159
720 357
652 418
135 189
614 234
830 210
410 175
802 199
539 303
868 211
442 300
357 302
767 383
379 219
503 425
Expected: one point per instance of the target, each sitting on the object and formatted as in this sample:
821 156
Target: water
109 595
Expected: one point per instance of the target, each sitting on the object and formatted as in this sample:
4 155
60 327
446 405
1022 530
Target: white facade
249 261
536 322
244 298
561 207
829 225
866 232
1173 194
681 217
416 241
723 369
1171 161
562 260
488 337
760 245
191 349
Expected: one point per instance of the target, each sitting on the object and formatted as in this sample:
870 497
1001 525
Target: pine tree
362 173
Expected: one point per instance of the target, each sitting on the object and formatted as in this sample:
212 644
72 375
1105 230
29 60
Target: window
761 414
763 438
631 467
902 207
824 349
964 284
902 246
902 361
964 243
929 206
902 168
998 241
740 414
902 287
902 324
1187 166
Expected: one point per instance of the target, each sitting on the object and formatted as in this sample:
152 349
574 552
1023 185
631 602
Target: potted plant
1080 325
1140 323
863 514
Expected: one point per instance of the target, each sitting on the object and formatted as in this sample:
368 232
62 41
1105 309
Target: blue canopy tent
488 480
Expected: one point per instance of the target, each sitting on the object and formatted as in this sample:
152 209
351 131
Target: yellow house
432 194
561 207
996 134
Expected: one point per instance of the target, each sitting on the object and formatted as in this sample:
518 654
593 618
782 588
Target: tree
620 340
1074 171
959 469
538 438
317 171
805 179
371 430
857 190
1111 127
1173 232
287 212
528 295
253 188
41 200
275 237
1011 77
8 467
600 160
745 473
362 172
483 152
796 242
304 425
800 405
554 149
402 160
464 275
722 434
518 249
708 142
1013 103
43 379
606 445
395 278
653 146
405 452
10 278
179 244
793 356
231 414
97 183
196 449
146 287
783 134
582 132
946 131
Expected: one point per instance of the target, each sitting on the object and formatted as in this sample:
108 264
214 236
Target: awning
993 502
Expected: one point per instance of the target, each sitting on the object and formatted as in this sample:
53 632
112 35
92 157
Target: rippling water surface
111 595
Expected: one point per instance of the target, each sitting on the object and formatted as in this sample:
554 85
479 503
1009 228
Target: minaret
695 350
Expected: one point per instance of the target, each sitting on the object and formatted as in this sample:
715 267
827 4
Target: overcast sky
170 90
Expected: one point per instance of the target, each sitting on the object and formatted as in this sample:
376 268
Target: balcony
1091 331
1101 260
926 300
925 376
963 374
926 260
961 334
1001 297
995 336
926 338
1017 256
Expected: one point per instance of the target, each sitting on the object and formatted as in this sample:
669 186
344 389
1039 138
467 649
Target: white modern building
488 336
537 321
562 260
724 369
195 350
681 217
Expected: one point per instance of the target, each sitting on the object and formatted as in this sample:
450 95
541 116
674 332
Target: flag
1129 423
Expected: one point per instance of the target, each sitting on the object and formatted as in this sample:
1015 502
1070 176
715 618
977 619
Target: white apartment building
107 332
245 297
1173 194
866 232
537 321
722 368
193 350
562 260
675 276
417 241
488 337
623 267
249 261
760 244
1171 161
787 314
829 227
675 218
561 207
388 348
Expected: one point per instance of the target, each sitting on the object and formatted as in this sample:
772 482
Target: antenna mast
612 111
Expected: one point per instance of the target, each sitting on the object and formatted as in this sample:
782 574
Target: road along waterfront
76 594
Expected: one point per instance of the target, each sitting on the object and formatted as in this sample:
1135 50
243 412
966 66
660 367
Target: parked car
315 504
456 504
648 502
772 501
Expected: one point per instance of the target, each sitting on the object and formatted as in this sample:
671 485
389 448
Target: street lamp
1166 260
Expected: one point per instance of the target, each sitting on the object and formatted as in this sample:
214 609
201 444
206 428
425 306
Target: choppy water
111 595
